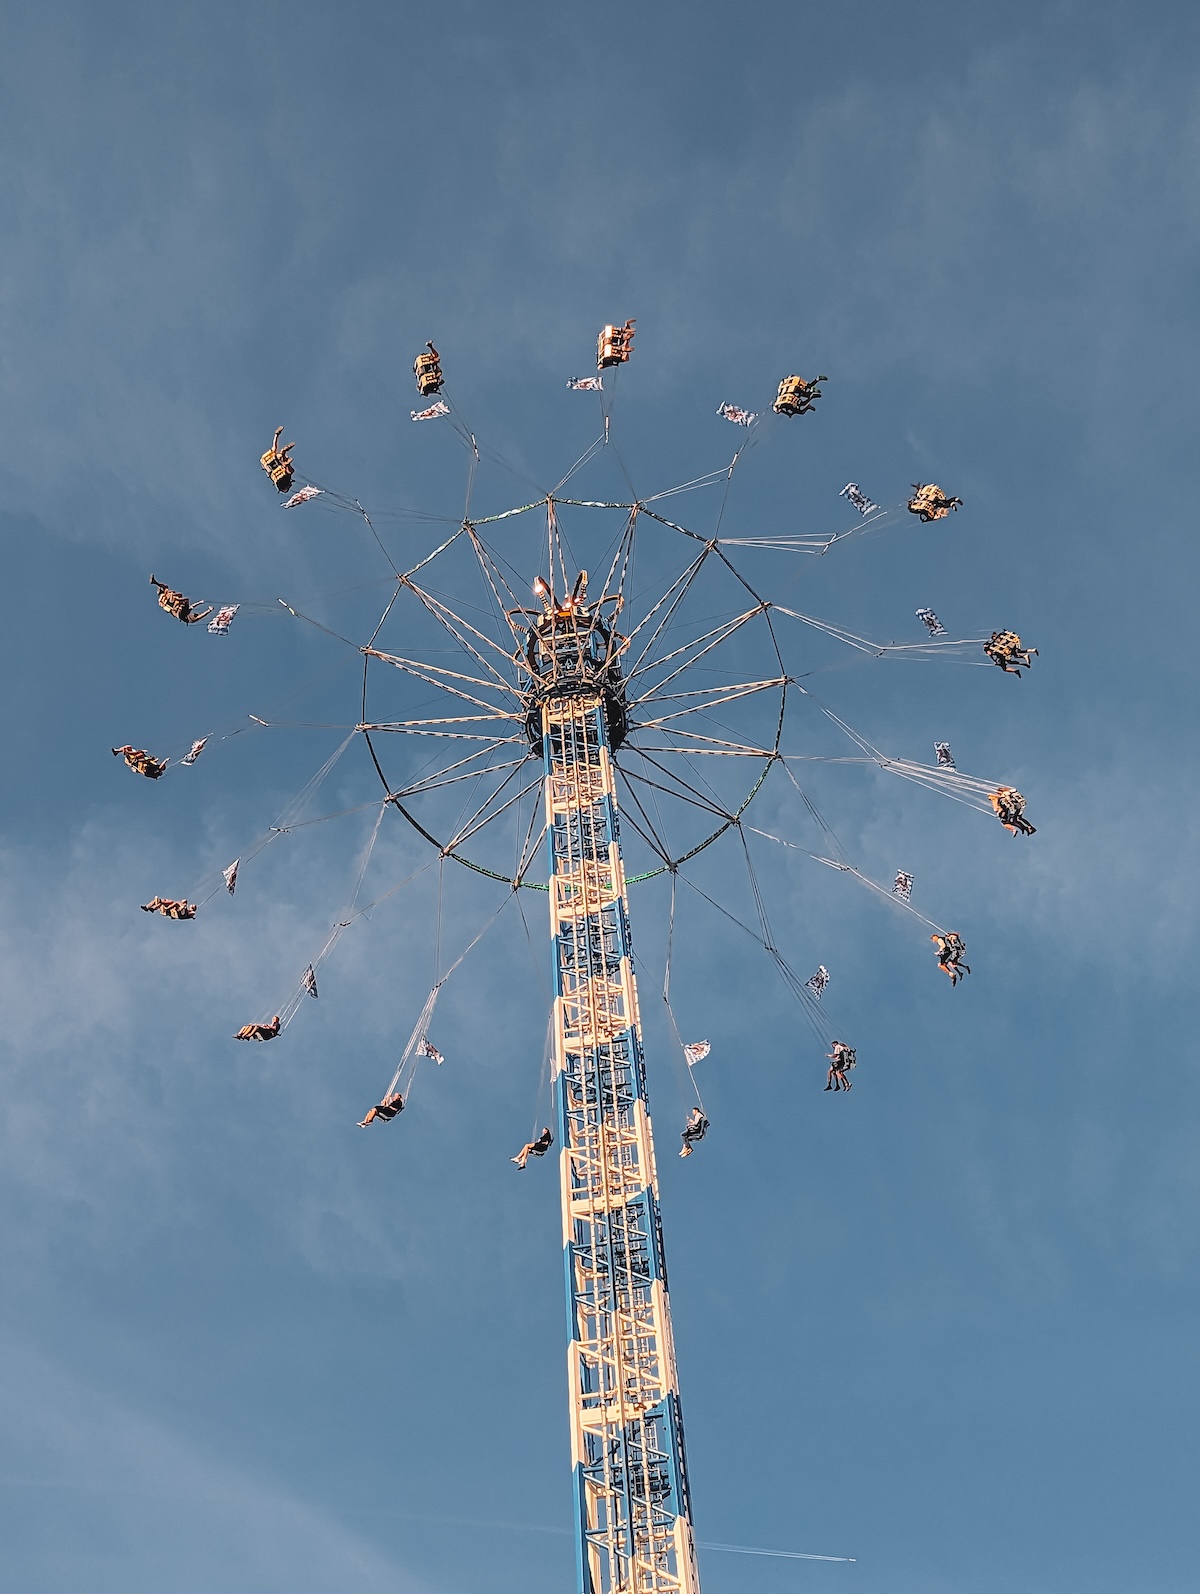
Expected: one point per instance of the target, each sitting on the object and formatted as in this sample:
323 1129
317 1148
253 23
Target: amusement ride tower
595 703
634 1528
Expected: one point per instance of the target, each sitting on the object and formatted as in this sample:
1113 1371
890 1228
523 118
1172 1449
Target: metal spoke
430 557
449 769
749 689
670 774
420 727
402 729
472 827
718 748
680 589
491 572
687 794
433 783
526 854
653 840
701 691
721 634
440 610
431 680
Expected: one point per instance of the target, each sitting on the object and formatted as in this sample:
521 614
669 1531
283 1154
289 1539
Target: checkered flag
817 983
858 498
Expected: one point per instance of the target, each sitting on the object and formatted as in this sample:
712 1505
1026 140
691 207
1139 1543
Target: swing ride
609 725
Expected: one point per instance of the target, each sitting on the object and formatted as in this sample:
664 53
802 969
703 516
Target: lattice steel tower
633 1511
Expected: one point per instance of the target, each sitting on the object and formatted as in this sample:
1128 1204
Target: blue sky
946 1324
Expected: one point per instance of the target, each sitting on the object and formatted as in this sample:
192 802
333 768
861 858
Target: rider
385 1111
694 1130
140 761
1010 810
534 1148
798 396
950 950
930 502
170 908
1006 651
841 1059
277 462
260 1032
175 603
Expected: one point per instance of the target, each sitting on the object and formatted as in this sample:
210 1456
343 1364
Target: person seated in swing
1010 810
798 396
277 462
385 1111
950 950
930 502
175 603
1005 650
260 1032
534 1148
427 368
693 1131
140 761
841 1060
170 908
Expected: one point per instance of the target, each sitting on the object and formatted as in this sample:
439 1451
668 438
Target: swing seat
795 396
279 468
427 369
614 345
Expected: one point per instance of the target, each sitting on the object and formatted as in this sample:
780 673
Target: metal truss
634 1520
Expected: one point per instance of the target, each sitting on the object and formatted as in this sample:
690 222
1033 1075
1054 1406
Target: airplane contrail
787 1555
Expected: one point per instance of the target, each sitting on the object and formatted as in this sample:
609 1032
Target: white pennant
230 876
219 624
302 497
696 1052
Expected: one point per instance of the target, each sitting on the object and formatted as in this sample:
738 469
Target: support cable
666 996
421 1028
285 821
848 868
